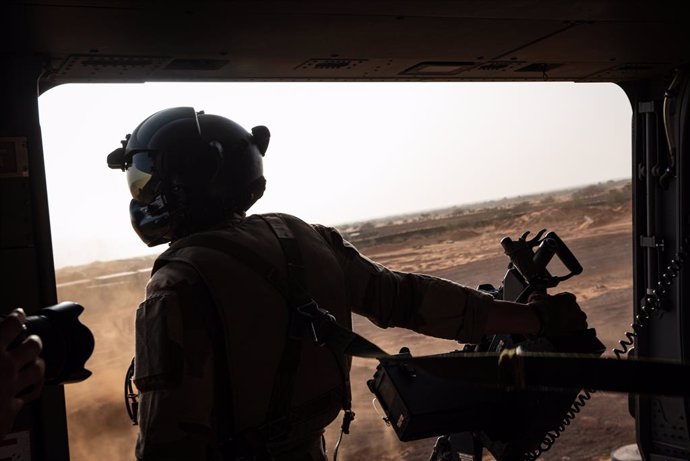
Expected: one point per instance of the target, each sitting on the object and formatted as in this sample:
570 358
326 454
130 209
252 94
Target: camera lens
67 343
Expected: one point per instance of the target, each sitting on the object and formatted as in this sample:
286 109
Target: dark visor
143 184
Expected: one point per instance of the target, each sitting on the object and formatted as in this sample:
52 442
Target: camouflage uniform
179 331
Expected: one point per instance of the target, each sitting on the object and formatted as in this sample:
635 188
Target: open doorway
423 177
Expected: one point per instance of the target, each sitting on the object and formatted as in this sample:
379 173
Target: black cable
131 397
552 435
654 299
652 303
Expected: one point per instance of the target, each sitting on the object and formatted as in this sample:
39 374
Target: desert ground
459 244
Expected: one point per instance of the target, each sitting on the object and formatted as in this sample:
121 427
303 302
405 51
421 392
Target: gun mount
421 401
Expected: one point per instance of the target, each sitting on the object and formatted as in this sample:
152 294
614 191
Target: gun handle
565 255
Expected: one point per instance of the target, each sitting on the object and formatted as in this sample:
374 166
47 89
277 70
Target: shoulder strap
297 297
240 253
298 292
334 336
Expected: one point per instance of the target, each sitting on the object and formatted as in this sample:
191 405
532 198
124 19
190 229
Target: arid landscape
459 244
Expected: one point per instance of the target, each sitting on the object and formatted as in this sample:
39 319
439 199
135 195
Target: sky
339 152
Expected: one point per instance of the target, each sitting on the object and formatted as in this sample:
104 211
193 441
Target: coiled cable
652 303
553 435
654 299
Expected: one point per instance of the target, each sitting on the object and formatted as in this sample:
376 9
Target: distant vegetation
396 228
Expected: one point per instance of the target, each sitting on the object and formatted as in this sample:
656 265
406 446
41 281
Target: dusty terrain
460 244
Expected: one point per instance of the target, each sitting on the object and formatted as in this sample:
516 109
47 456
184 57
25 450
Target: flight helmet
188 170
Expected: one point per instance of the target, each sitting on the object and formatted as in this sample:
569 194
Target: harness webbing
303 312
297 296
333 335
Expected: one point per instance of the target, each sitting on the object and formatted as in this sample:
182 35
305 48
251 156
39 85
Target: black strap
303 313
308 309
335 336
239 252
298 292
284 384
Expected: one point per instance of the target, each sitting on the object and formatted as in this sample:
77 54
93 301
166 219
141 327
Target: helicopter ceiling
132 41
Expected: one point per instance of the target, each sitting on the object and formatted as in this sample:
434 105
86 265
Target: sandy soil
460 244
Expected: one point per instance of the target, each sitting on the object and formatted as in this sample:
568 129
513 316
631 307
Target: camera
67 343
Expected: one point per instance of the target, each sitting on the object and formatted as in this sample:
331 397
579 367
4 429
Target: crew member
228 362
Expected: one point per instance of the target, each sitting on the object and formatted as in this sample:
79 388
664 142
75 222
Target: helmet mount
189 170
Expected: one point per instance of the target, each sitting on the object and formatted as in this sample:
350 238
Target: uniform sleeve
429 305
174 368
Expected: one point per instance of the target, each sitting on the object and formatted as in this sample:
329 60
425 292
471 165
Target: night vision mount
117 160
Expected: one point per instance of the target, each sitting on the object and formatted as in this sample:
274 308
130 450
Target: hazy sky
339 152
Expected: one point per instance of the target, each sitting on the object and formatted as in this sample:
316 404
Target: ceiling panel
385 40
617 42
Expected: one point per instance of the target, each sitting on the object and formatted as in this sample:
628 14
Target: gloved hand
559 314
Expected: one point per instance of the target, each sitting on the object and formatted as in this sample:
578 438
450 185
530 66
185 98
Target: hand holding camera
21 369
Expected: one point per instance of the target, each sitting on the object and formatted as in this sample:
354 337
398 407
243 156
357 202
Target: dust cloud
460 244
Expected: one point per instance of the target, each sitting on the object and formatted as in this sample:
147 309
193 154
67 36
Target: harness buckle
317 319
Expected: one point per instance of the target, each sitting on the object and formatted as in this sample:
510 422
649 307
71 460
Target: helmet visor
143 184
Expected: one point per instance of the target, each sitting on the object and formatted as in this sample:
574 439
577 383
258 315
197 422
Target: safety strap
309 309
297 299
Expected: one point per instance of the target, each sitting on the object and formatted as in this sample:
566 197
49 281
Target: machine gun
420 401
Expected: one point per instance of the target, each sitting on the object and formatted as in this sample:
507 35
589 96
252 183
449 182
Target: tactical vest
259 330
